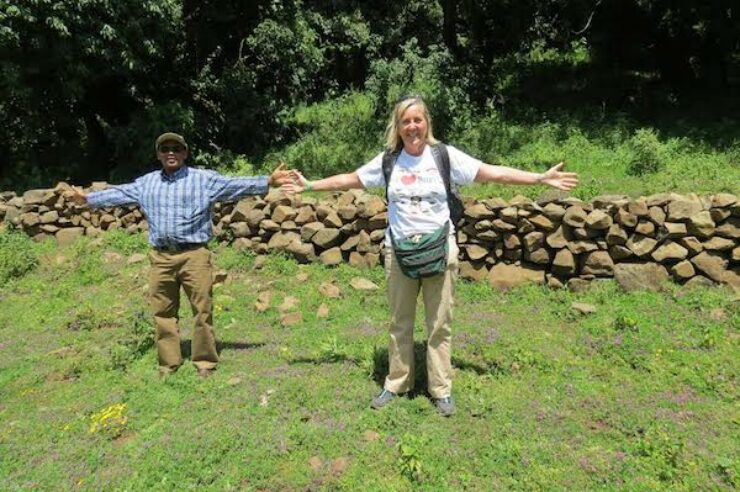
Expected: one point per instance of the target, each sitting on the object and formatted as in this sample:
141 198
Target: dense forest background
86 85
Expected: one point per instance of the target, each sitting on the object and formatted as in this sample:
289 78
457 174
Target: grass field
640 395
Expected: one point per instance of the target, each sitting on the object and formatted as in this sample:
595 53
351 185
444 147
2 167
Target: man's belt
177 247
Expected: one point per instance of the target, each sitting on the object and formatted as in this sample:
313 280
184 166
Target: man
176 201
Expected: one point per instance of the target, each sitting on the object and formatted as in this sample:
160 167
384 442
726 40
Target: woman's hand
558 179
297 184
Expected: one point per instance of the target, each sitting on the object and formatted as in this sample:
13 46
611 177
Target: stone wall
556 240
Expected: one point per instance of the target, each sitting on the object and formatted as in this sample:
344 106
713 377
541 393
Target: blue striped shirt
178 206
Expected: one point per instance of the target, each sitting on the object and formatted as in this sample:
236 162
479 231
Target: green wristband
309 185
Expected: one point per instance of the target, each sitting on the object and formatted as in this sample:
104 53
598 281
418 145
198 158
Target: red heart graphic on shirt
408 179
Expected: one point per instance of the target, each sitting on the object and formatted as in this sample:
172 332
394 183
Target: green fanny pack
422 255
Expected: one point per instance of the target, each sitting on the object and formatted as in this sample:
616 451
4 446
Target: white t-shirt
417 201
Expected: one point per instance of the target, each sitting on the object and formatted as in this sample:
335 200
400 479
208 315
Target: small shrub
139 340
648 156
625 323
330 351
409 460
663 450
17 255
88 319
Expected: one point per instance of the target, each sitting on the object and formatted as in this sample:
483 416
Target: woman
418 205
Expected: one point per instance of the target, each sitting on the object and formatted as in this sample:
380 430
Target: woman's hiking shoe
384 398
445 406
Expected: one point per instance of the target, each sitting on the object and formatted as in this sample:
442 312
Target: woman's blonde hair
393 141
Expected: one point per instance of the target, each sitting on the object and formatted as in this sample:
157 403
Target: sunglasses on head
408 97
166 149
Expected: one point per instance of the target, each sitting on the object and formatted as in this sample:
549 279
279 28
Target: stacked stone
558 241
570 241
46 213
345 227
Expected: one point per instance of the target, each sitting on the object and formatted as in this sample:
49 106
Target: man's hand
558 179
72 193
280 176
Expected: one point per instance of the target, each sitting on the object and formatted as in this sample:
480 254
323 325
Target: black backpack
442 159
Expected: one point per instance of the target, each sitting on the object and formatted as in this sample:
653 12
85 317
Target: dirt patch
367 329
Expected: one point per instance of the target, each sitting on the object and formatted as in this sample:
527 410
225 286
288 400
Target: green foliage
112 58
137 341
648 158
337 136
87 318
409 460
125 243
17 255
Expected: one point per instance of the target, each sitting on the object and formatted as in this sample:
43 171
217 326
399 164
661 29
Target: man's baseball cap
170 137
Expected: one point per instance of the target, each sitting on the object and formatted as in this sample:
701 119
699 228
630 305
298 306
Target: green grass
641 395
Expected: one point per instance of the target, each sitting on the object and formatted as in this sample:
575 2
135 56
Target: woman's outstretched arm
300 184
508 175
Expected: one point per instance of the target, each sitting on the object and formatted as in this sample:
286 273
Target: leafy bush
338 136
647 151
17 255
137 342
126 243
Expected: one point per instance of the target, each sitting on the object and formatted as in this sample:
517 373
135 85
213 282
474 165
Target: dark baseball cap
170 137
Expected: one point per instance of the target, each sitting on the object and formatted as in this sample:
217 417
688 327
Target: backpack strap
389 160
454 202
442 159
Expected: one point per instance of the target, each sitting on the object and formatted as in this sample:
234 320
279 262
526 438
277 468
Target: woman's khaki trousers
437 292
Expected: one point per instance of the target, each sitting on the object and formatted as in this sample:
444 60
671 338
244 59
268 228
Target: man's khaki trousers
193 270
438 292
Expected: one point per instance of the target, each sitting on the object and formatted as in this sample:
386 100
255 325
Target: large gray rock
331 256
327 238
681 210
69 235
683 270
626 218
554 212
559 239
34 197
473 271
575 216
712 264
309 230
302 252
616 235
475 251
718 243
701 224
542 222
281 213
599 220
598 263
564 263
479 212
657 215
669 252
729 229
281 240
241 210
641 245
722 200
505 277
640 276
